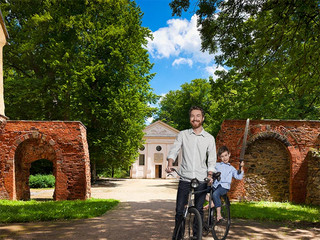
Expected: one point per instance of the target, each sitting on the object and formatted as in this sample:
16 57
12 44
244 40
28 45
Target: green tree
175 105
272 48
81 60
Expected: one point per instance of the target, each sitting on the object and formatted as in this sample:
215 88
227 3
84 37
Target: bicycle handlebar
215 176
175 170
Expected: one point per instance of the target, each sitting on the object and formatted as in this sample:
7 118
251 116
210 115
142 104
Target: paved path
146 212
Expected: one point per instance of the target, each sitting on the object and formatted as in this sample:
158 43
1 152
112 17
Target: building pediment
160 129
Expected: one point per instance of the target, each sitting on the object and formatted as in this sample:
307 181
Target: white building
152 160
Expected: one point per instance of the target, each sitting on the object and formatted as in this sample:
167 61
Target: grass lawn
31 211
275 211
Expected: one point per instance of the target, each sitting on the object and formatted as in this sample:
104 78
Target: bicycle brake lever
217 176
207 179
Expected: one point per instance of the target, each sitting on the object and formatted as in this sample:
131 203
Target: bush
42 181
113 173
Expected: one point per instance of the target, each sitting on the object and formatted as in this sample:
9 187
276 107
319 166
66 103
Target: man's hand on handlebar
209 179
169 169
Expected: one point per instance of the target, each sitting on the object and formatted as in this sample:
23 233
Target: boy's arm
237 175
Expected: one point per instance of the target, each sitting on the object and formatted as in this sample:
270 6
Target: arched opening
27 152
41 180
268 171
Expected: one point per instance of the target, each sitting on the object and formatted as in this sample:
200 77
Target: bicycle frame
191 223
193 185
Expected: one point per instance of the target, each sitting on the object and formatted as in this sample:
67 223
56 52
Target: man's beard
196 124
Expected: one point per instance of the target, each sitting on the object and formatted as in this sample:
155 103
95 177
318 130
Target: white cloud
149 120
180 61
180 39
211 70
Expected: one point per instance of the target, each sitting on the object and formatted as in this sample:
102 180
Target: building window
141 160
142 148
158 148
176 162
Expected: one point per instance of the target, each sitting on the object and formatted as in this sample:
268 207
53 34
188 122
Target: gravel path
146 212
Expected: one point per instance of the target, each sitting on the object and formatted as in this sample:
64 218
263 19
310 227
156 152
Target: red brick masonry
297 138
63 143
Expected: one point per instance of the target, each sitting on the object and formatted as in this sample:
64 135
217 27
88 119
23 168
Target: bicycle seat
216 175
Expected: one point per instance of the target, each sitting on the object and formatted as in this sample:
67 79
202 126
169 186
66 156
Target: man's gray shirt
195 151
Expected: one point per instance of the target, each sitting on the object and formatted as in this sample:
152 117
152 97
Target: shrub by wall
42 181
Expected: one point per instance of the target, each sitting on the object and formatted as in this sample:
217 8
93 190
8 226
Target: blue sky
175 49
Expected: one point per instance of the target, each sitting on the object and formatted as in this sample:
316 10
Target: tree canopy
175 105
81 60
270 50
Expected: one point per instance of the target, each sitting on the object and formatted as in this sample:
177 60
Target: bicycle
219 229
191 218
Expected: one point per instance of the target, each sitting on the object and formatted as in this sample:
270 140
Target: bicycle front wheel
190 227
220 229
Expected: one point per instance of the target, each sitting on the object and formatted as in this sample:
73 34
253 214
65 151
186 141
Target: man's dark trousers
182 200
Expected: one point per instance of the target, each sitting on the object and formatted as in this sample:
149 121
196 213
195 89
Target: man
198 147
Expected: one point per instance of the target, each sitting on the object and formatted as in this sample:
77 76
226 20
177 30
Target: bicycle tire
185 229
220 229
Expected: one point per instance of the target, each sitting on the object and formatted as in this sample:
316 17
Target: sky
175 49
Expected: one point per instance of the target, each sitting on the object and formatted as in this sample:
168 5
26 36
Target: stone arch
281 133
268 171
268 163
290 148
269 135
72 162
27 149
27 152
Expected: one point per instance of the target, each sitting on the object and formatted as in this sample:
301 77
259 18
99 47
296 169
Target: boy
227 173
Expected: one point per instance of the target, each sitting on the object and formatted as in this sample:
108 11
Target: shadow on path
130 220
144 221
261 230
146 212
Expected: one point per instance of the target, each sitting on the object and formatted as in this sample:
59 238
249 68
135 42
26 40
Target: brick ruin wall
62 143
277 166
313 186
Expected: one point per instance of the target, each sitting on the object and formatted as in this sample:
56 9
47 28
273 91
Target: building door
158 171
